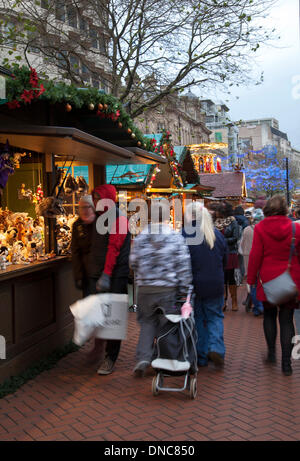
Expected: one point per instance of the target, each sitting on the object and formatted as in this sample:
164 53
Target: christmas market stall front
51 153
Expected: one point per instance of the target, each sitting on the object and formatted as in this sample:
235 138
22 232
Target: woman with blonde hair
208 250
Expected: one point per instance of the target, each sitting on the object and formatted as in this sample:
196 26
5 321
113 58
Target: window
62 59
45 4
94 36
9 31
218 136
72 16
74 62
60 11
160 127
84 69
102 44
82 24
32 41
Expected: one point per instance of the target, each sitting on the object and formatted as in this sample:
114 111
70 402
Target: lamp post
287 181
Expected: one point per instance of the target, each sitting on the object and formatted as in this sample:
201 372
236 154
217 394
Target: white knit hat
87 199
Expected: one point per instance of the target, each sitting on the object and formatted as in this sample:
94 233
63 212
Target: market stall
44 153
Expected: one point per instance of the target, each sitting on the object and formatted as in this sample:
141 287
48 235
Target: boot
225 300
233 292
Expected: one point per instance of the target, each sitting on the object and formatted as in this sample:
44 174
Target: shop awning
72 142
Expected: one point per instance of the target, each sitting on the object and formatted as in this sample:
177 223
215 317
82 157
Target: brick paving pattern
248 400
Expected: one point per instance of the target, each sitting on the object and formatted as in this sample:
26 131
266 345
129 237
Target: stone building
61 27
181 115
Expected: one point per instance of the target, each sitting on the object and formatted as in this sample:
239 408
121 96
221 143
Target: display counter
34 311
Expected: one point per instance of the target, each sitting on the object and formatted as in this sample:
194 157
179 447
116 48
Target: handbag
282 288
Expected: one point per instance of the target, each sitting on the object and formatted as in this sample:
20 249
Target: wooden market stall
38 140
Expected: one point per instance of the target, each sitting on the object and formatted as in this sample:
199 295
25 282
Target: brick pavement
248 400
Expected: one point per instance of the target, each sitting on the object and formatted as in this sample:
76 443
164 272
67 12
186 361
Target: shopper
108 262
246 245
162 266
240 217
81 242
269 258
227 224
208 259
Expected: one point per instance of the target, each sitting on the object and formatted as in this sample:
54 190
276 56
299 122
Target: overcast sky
277 97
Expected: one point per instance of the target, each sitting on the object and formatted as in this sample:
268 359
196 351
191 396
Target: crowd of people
232 247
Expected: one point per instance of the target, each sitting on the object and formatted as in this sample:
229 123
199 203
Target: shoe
216 358
248 303
106 367
233 293
271 357
140 368
287 369
258 314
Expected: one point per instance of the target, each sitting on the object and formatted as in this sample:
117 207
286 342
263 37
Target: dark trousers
287 329
118 285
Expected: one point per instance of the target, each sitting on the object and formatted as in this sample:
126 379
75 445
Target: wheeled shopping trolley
176 353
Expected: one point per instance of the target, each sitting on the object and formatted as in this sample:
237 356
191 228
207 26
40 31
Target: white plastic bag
115 309
88 315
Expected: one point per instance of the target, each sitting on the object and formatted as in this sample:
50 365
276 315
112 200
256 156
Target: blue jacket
208 266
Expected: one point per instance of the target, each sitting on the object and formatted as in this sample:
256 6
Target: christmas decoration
68 107
108 107
27 79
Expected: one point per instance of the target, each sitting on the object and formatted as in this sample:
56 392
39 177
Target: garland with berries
24 87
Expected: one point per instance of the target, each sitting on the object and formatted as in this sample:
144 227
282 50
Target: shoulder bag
282 289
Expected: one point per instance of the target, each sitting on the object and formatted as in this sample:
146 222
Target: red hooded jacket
118 231
270 252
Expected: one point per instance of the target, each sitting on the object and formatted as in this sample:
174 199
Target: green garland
12 384
60 92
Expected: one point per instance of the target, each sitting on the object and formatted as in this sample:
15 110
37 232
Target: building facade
222 128
181 115
65 40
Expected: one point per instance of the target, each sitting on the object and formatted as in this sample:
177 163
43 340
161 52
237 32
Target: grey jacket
160 258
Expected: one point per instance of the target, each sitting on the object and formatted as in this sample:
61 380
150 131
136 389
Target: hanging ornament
120 125
39 193
91 106
68 107
145 145
139 143
129 131
133 135
100 106
105 106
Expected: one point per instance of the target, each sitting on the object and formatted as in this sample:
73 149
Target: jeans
258 305
117 286
287 329
148 318
209 323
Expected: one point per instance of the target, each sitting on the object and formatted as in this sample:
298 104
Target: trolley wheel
155 382
193 388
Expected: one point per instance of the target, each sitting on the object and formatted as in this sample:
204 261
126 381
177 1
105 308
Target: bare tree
153 47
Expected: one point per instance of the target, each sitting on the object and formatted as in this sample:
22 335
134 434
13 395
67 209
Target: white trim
170 365
174 318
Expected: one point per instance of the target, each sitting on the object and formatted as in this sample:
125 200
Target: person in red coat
268 259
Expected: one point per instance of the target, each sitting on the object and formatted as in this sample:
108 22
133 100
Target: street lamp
287 181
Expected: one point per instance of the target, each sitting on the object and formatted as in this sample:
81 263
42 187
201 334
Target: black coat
242 221
231 235
80 246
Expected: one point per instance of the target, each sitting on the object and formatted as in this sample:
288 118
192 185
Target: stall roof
71 142
227 184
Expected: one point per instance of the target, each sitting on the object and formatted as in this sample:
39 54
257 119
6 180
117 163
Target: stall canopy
227 185
72 142
128 174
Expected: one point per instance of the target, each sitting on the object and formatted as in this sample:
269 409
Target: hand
103 284
78 284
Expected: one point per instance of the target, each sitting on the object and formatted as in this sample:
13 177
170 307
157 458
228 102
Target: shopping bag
88 315
115 310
